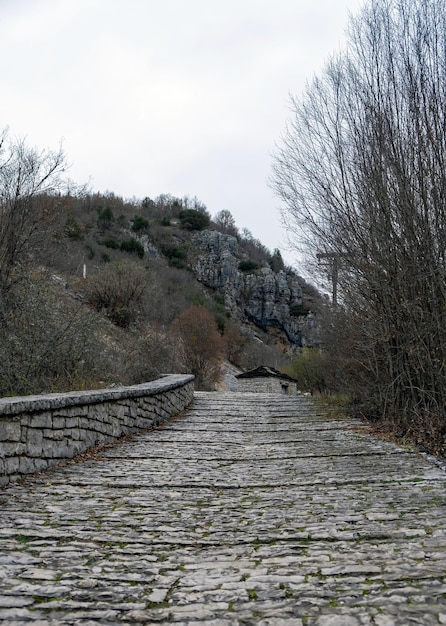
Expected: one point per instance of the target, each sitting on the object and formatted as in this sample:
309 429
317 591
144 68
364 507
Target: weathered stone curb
39 431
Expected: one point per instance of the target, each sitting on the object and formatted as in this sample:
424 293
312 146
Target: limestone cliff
258 295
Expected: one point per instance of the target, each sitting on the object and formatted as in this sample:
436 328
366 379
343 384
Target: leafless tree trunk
361 170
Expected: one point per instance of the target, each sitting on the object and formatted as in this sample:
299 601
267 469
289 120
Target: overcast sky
186 97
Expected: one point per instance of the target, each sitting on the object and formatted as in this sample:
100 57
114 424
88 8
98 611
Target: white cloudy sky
186 97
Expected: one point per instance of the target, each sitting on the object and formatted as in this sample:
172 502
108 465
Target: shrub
220 311
299 310
175 254
139 223
192 219
150 354
72 230
47 342
310 369
117 290
105 218
248 266
147 203
110 243
197 298
276 262
133 246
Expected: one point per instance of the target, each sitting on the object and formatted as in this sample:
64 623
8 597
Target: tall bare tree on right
361 171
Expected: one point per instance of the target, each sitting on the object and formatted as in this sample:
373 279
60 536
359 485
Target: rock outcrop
258 295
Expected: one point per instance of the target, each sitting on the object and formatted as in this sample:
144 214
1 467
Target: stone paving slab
249 509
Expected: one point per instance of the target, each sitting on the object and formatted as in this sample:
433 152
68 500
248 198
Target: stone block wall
266 385
39 431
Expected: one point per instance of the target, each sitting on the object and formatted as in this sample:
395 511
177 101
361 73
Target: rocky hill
254 293
251 285
107 293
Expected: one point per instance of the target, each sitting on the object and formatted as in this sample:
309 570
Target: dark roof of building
265 371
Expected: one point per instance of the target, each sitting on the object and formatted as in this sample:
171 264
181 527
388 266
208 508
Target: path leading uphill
249 509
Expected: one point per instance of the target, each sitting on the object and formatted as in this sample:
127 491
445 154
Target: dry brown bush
47 342
200 345
117 290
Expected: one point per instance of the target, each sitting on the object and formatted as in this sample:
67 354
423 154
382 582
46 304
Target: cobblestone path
249 509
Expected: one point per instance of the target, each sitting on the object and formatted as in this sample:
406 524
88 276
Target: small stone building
267 380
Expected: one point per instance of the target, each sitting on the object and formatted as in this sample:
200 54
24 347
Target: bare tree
361 170
200 345
29 182
226 222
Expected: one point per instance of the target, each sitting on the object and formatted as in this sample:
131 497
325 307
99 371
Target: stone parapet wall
39 431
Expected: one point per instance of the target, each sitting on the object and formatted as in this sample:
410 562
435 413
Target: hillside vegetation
98 290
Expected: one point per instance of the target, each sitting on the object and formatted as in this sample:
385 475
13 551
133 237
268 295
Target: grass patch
24 539
252 594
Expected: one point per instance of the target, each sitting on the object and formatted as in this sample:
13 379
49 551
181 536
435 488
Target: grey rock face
262 297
